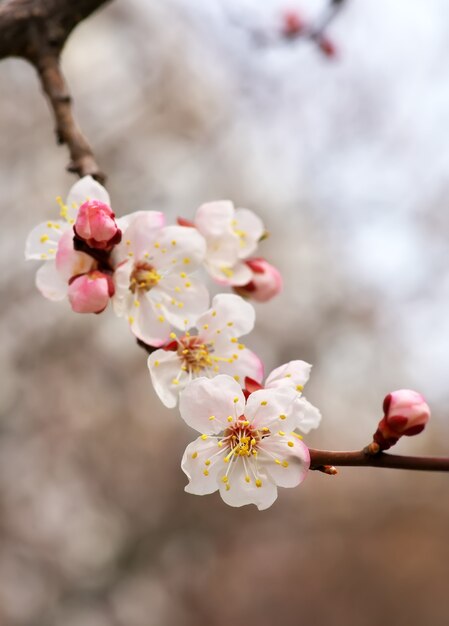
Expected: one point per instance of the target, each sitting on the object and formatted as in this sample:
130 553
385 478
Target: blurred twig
321 459
36 30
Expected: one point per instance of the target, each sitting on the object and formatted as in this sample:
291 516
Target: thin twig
359 458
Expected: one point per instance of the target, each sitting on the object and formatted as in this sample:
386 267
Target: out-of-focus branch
324 460
37 30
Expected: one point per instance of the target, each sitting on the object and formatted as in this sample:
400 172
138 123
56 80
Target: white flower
153 286
52 242
295 375
246 450
231 235
214 349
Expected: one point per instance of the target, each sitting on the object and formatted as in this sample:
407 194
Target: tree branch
36 30
321 459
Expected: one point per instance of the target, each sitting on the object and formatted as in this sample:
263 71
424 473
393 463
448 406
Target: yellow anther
194 455
288 376
234 340
235 357
290 444
237 377
178 289
297 436
136 303
229 418
241 346
227 272
161 318
284 463
230 324
186 261
220 444
277 461
180 305
207 462
265 429
175 381
204 437
206 472
130 254
173 336
253 442
187 333
212 417
258 482
173 243
44 238
299 387
227 486
146 255
230 360
282 417
187 285
205 326
244 423
164 250
183 275
281 433
247 479
236 400
214 313
44 256
128 242
156 364
224 479
130 319
157 245
216 368
264 403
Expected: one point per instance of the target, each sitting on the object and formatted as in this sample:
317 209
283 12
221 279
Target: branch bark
320 459
36 30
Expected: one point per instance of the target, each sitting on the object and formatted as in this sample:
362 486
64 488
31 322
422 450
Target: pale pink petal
70 262
241 487
85 189
214 218
205 404
42 242
181 298
125 221
249 228
285 459
272 408
139 238
293 374
50 282
202 462
237 274
123 298
306 415
229 314
223 251
167 376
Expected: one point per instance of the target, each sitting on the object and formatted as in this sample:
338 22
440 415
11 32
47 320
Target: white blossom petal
213 219
139 237
146 321
123 298
205 404
50 282
181 298
292 374
202 462
249 228
235 274
247 363
178 248
285 459
42 242
238 490
272 408
167 376
306 415
229 314
85 189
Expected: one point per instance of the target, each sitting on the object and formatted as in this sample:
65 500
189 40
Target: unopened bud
95 224
292 24
327 46
90 293
266 281
405 413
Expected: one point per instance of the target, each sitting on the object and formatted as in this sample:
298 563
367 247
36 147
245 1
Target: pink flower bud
292 25
266 281
90 293
405 413
95 224
327 46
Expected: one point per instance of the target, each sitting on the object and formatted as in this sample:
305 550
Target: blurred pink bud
405 413
95 224
90 293
292 24
265 283
327 46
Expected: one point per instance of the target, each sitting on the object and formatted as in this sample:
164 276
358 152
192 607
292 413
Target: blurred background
346 158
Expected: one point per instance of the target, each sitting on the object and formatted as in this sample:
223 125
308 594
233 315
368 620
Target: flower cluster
150 271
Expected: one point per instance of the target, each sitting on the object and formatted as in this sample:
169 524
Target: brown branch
322 459
37 30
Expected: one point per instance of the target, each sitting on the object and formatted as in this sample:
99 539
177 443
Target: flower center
243 438
143 277
194 353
